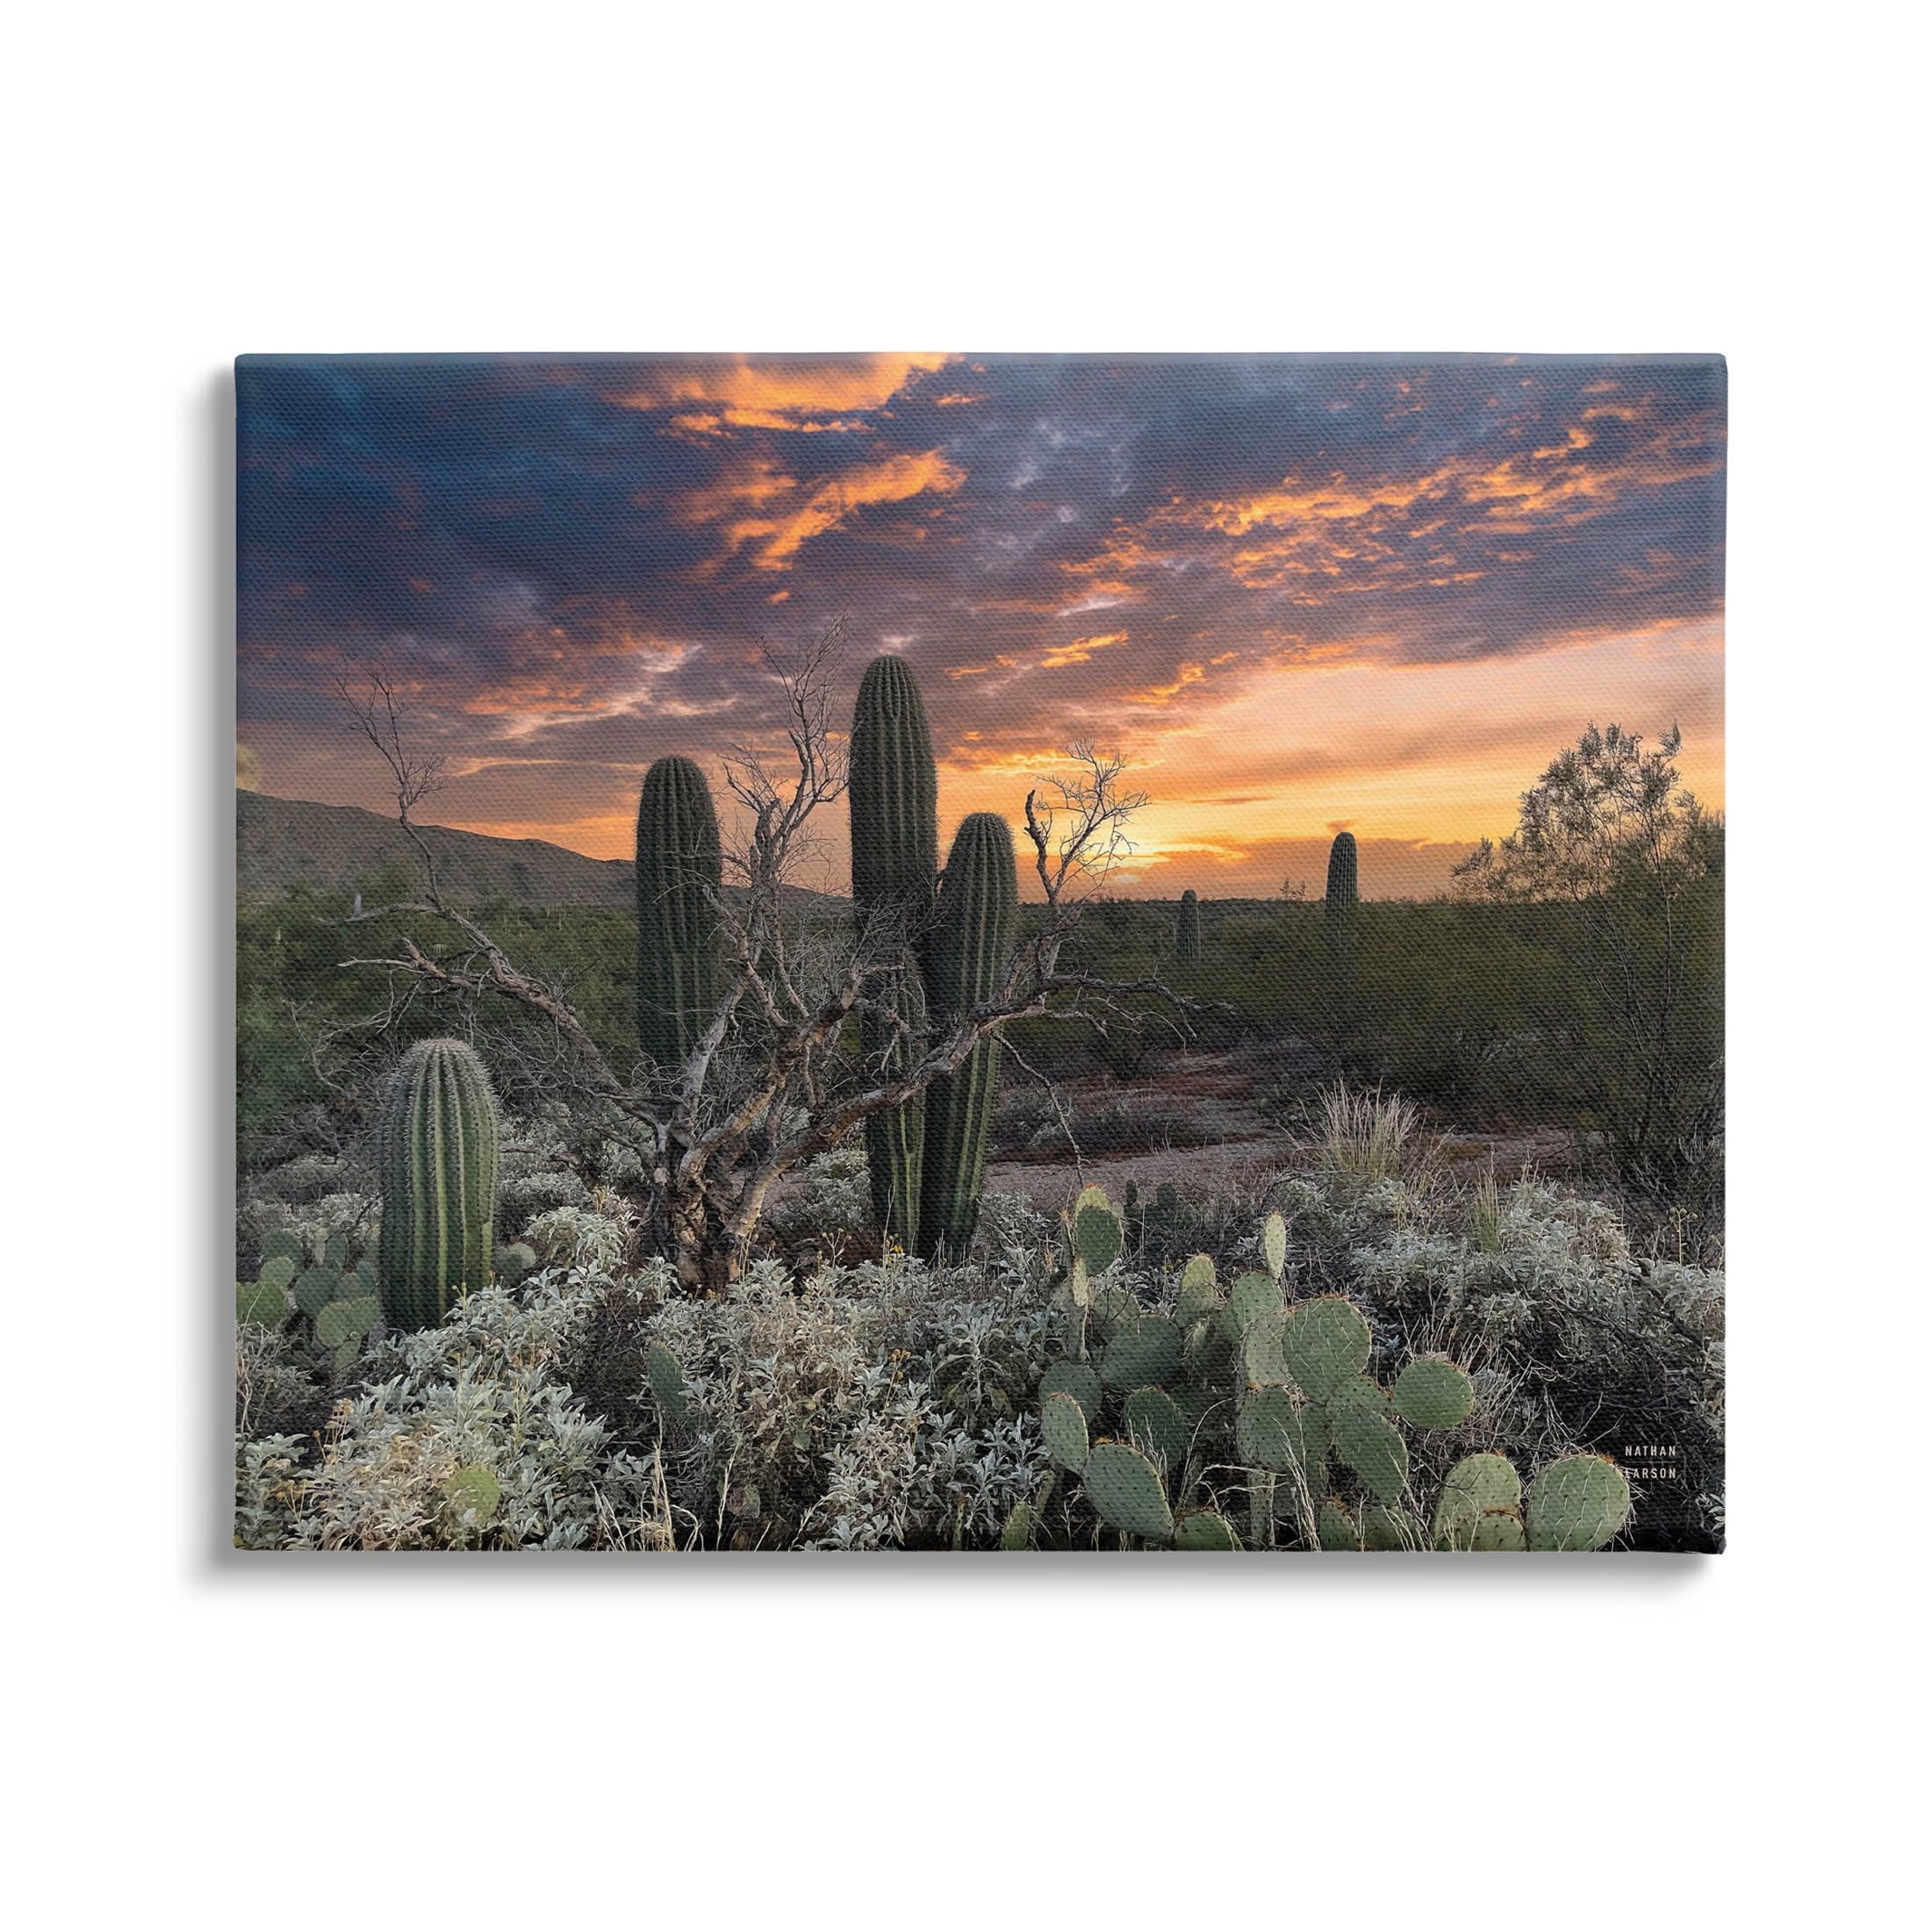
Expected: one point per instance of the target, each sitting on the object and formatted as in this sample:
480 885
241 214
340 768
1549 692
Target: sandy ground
1215 1093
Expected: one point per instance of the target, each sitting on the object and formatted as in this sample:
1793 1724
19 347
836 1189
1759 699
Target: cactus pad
347 1324
316 1289
1261 1359
1373 1448
1096 1238
1274 1244
1326 1345
1431 1394
1145 1350
283 1245
1254 1293
1266 1435
1155 1426
262 1301
1124 1489
1477 1483
1062 1427
1205 1529
1497 1532
1197 1296
1335 1527
1578 1503
666 1375
1077 1378
1387 1529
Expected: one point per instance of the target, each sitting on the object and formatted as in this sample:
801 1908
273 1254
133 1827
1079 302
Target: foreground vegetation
585 1402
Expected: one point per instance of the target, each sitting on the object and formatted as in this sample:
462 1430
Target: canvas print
1074 954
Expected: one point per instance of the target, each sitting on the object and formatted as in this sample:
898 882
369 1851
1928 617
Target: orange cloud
1158 695
1081 650
774 392
785 514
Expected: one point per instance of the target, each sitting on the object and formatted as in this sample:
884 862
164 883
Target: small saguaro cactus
1188 935
436 1155
894 794
1342 878
680 871
965 961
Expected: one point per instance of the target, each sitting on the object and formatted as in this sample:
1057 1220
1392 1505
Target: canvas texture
1028 954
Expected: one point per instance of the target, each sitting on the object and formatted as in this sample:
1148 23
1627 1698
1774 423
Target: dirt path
1211 1097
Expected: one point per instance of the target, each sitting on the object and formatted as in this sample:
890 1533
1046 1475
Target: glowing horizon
1301 595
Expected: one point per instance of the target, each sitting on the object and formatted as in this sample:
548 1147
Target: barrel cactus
1187 937
894 795
967 960
436 1155
680 871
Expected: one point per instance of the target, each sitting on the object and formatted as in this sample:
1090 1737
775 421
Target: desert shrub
576 1237
483 1392
861 1407
829 1198
527 1195
314 1222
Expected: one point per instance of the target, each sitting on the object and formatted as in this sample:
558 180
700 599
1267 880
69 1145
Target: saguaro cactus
894 790
1342 878
894 794
436 1153
1188 936
978 916
680 869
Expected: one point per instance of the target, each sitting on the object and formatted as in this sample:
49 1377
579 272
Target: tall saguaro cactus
680 869
436 1154
894 794
1187 936
1342 878
966 962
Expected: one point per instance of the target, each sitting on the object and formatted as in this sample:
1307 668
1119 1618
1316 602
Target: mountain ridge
282 844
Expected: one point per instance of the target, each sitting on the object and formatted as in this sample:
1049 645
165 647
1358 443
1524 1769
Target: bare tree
771 1082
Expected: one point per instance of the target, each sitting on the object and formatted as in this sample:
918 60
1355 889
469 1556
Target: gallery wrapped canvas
995 954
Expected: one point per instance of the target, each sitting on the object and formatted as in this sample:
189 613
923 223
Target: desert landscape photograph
979 953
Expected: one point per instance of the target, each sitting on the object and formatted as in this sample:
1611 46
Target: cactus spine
436 1153
965 961
680 869
894 791
1187 940
1342 878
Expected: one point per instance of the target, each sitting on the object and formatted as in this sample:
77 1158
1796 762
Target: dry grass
1363 1135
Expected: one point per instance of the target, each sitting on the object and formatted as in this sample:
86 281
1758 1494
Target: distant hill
284 842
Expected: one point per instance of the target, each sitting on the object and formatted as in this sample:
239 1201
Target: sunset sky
1301 594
